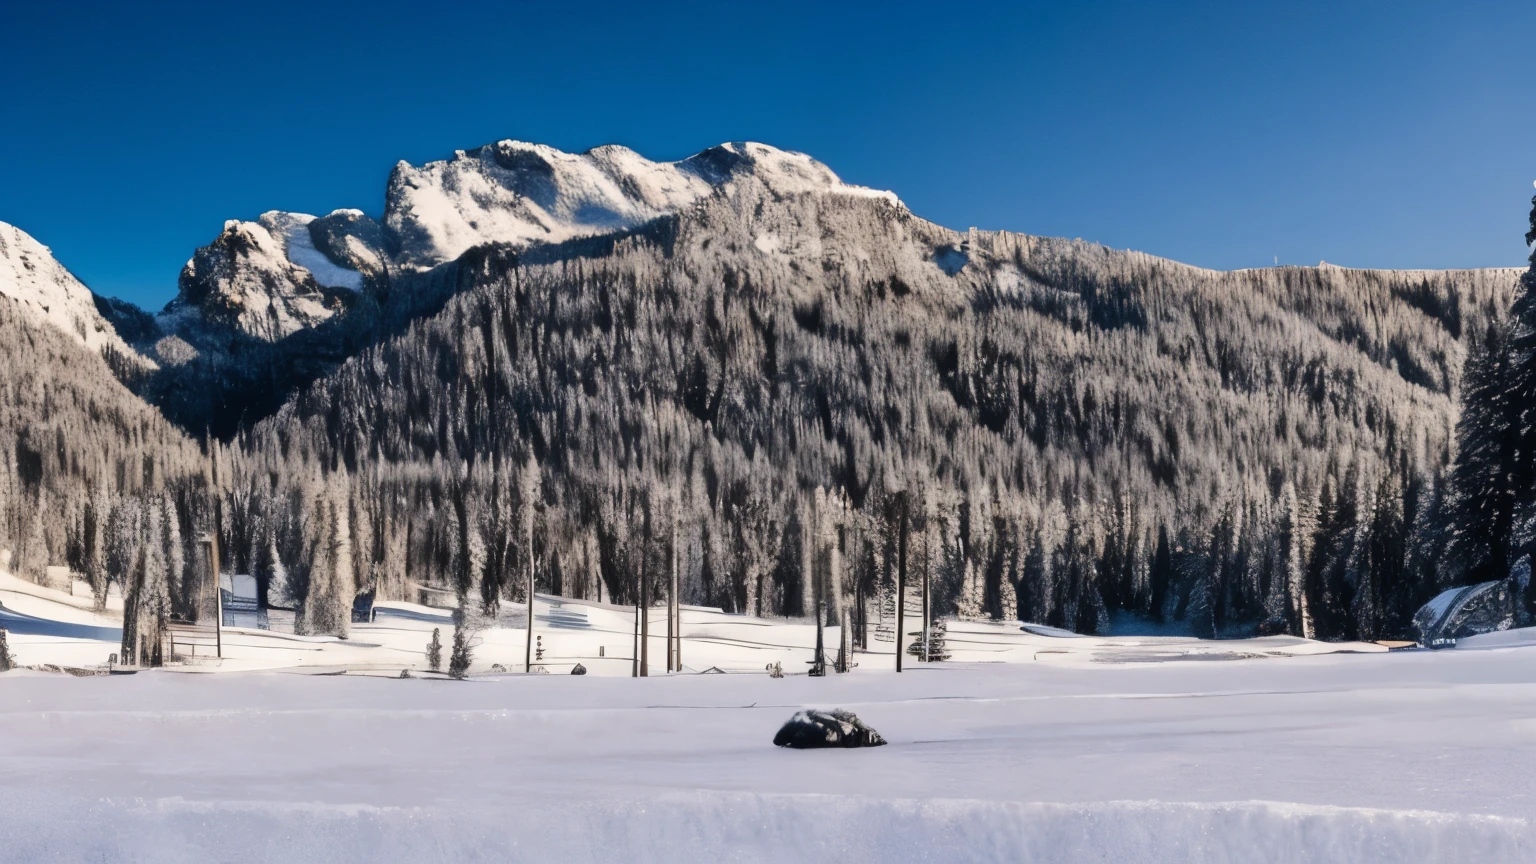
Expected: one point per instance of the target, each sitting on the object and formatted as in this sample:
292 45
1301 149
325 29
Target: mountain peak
520 193
48 292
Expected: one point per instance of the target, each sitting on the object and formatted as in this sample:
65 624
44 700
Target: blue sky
1395 134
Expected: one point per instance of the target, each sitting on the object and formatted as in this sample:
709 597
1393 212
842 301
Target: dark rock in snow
837 728
578 669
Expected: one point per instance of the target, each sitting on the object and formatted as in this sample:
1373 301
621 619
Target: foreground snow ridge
749 827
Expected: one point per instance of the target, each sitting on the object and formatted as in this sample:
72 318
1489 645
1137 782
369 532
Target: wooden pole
901 580
645 622
927 570
862 589
674 614
528 651
671 595
818 590
213 551
679 581
841 608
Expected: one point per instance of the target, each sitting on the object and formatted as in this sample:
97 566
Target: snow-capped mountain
47 292
288 272
518 193
270 278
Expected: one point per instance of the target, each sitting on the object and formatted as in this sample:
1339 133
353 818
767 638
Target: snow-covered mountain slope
518 193
288 272
46 291
269 279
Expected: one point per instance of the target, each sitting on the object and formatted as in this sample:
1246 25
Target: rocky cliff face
269 279
516 193
290 272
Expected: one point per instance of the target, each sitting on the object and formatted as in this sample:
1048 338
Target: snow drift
750 828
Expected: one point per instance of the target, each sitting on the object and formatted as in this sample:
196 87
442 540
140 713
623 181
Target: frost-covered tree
1486 470
467 624
1522 400
1161 575
435 651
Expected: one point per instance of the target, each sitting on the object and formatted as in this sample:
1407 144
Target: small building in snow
1467 611
242 608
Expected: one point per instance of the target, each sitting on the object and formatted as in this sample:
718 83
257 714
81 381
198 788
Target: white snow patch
519 193
292 230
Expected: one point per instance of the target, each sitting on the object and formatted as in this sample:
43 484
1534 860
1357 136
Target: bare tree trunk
927 585
678 577
672 622
901 581
528 651
645 620
835 565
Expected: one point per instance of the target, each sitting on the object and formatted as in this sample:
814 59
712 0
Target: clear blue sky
1392 134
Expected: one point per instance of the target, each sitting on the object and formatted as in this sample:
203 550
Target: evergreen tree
462 655
1485 473
1522 399
435 651
1161 575
1386 561
466 624
6 663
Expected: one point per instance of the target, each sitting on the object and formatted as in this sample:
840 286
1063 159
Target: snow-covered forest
792 390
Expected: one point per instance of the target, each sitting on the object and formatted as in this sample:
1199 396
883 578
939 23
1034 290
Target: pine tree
1522 399
465 625
94 542
34 559
1386 558
1485 473
971 595
1288 595
461 656
435 651
1161 575
6 663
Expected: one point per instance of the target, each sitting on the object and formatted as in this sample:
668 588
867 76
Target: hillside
804 385
809 387
45 292
75 448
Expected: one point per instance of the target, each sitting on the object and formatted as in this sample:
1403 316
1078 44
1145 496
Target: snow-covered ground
53 627
1145 749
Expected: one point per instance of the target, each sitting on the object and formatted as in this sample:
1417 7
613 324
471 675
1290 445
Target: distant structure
241 606
1466 611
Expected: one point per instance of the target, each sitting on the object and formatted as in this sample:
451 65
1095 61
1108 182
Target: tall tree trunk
901 578
528 649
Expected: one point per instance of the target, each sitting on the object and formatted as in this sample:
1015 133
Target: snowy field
1062 749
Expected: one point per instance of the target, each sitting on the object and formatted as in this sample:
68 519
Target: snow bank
748 828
